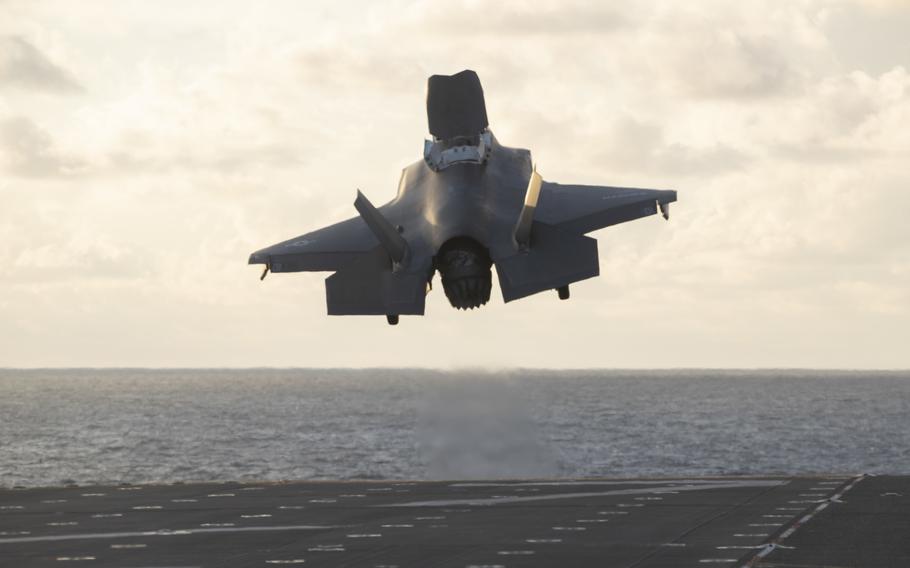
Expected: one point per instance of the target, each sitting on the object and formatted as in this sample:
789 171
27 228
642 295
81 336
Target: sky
146 148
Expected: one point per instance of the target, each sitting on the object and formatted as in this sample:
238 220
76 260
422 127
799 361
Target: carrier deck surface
642 523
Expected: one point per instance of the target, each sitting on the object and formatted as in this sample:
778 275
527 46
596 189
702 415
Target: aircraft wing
365 281
585 208
326 249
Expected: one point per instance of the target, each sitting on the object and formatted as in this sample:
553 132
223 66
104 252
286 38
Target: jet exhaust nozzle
464 266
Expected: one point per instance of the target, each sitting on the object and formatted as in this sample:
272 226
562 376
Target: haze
146 148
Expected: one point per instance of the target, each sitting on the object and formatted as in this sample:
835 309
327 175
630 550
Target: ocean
88 426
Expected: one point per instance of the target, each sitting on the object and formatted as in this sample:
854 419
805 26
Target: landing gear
392 319
563 292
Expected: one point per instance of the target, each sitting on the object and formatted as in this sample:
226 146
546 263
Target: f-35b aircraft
470 203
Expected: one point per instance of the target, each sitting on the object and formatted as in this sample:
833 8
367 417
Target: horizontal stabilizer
369 287
554 259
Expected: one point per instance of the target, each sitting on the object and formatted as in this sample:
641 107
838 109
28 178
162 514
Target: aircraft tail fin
384 231
522 231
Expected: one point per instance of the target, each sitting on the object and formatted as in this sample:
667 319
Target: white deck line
776 543
555 496
180 532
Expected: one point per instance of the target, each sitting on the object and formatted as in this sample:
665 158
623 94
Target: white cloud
132 208
24 66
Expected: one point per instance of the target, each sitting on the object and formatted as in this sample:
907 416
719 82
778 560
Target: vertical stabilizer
384 231
522 232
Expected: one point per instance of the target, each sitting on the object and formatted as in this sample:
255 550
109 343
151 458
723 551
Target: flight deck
674 522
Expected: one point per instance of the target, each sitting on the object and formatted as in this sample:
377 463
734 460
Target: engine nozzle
464 265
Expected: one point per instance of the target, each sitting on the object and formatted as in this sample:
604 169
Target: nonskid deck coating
608 522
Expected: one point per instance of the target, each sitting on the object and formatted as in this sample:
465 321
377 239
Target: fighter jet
469 204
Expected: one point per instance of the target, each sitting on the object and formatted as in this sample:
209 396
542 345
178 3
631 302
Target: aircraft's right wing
326 249
585 208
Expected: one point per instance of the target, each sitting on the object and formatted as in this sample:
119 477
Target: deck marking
74 558
776 543
554 496
165 532
129 545
717 560
570 528
399 526
672 484
291 561
543 540
514 552
326 548
106 515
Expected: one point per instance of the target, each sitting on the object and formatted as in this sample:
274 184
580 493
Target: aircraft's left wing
326 249
585 208
371 277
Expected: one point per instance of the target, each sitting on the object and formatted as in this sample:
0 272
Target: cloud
202 141
511 20
24 66
29 151
79 259
642 145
